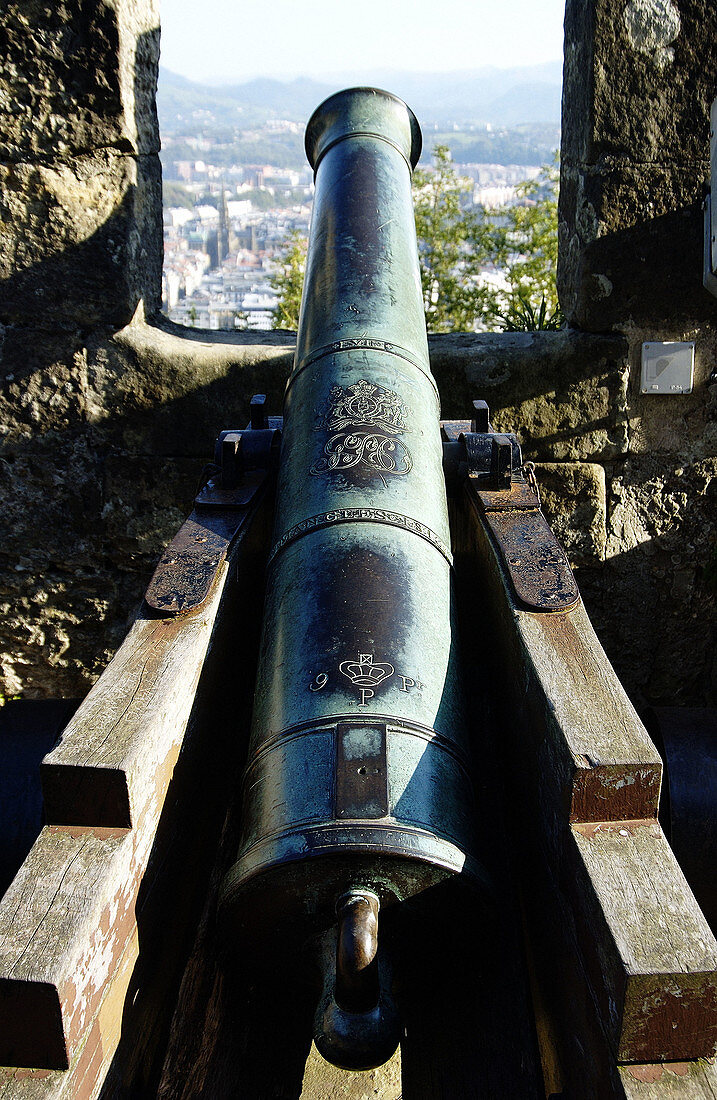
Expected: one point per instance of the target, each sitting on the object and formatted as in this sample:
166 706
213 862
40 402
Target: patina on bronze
356 792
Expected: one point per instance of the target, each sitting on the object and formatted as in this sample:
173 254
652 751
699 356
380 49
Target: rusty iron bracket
245 461
504 492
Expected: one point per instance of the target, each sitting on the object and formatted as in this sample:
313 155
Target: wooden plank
84 1079
672 1081
581 738
577 755
648 951
33 1084
87 897
116 756
64 925
617 770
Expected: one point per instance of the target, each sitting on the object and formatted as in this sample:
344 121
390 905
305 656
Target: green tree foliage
460 245
173 194
260 198
526 249
453 247
288 281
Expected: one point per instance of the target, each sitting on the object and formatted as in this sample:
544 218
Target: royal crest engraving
364 422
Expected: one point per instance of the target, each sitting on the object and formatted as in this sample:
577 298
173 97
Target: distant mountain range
501 97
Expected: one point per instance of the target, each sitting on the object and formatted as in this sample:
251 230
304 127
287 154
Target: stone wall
80 254
639 79
109 413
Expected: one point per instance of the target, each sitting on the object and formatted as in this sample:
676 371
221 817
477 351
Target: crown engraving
364 673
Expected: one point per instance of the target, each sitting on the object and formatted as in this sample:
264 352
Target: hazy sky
239 39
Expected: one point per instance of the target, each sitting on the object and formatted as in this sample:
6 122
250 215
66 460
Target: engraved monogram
365 422
365 675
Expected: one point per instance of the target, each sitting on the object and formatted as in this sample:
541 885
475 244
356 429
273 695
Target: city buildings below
220 255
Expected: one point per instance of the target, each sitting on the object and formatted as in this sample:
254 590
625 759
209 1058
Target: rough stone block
80 241
101 454
573 498
564 393
77 76
636 80
631 246
635 157
654 498
178 391
146 500
80 191
656 601
666 424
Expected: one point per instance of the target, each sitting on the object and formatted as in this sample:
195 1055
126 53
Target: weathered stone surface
80 190
103 450
78 76
635 159
80 241
178 392
653 602
572 497
637 83
683 424
101 457
564 393
631 245
146 500
106 449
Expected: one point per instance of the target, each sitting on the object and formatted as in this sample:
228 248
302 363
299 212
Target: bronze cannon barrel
356 792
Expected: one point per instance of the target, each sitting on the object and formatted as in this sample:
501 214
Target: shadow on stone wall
88 501
80 201
653 609
637 272
99 471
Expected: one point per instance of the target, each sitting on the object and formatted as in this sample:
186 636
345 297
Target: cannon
357 792
358 802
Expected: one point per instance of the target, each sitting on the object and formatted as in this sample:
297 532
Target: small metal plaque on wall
668 367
